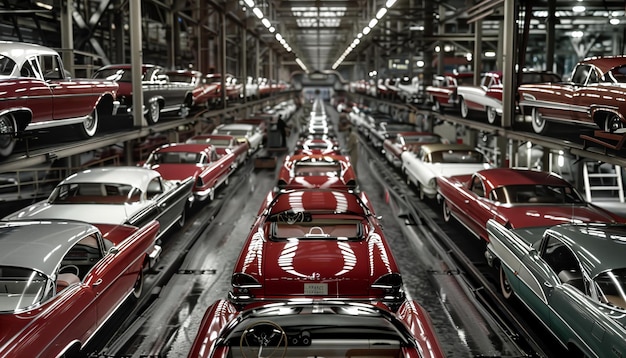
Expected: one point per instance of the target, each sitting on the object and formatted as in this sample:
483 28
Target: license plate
316 289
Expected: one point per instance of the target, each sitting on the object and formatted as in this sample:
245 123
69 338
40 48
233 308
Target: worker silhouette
281 125
353 147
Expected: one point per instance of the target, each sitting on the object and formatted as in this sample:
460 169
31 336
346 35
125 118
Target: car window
541 194
92 193
611 286
51 67
563 262
21 288
6 66
477 187
154 188
580 74
317 230
82 257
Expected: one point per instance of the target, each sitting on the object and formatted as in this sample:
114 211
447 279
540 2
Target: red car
234 89
160 94
179 161
593 98
35 90
393 147
62 280
317 146
515 198
316 329
442 93
305 171
203 93
485 98
224 144
316 244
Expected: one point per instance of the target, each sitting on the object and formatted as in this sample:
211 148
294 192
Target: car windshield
537 194
317 168
421 139
94 193
114 74
616 75
612 287
21 288
6 66
457 156
330 332
233 132
174 158
218 142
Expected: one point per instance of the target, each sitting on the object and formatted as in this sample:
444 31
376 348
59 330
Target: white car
422 168
116 196
244 132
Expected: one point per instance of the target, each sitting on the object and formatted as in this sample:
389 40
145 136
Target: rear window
6 66
21 288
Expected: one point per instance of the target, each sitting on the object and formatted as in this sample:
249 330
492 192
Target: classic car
517 198
252 88
388 130
160 95
316 329
202 93
115 195
62 280
402 141
430 161
224 144
593 98
244 132
370 120
34 83
571 277
316 244
179 161
393 91
326 171
442 93
317 146
487 97
234 89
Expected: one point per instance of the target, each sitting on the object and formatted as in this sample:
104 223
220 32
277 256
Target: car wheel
154 112
8 129
138 286
437 106
464 108
505 285
492 116
182 218
90 125
540 125
613 123
445 208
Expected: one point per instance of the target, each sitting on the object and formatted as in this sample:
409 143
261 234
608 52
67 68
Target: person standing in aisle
353 148
282 128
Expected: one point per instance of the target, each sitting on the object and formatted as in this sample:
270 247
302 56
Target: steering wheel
291 217
70 269
268 336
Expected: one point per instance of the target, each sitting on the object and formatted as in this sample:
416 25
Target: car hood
92 213
177 171
523 215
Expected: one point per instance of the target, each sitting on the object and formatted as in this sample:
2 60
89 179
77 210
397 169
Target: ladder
595 180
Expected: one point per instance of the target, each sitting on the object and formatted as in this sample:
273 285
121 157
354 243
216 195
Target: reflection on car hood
549 214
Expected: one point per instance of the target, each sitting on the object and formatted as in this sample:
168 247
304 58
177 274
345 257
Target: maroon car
316 244
317 146
316 329
36 90
442 93
62 280
202 94
595 97
516 198
224 144
179 161
326 171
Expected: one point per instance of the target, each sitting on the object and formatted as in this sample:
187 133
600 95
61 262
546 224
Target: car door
477 206
64 89
587 94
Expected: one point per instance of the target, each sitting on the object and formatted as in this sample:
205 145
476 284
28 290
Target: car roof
437 147
605 63
20 51
602 247
137 177
497 177
39 245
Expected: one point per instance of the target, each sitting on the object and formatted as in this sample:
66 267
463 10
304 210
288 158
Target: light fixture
576 34
390 3
249 3
272 29
258 12
381 13
366 30
578 8
373 23
419 63
614 21
266 22
43 5
490 54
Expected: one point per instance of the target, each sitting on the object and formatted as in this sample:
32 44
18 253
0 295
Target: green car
572 277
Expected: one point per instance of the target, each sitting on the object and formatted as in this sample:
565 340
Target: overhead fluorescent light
258 12
381 13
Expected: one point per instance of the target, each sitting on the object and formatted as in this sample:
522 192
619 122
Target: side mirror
113 250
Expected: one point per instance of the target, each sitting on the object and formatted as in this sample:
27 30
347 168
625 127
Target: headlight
432 183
